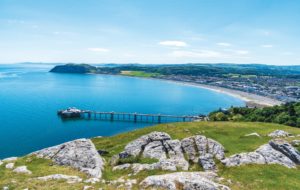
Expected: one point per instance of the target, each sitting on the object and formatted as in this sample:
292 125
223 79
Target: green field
139 74
230 134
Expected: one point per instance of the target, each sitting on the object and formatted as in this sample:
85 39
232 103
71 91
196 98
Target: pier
129 117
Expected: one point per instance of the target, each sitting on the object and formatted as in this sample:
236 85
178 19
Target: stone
10 165
87 187
287 149
68 178
10 159
102 152
207 162
216 149
22 169
135 147
294 143
201 144
252 134
273 156
278 133
80 154
122 167
5 188
186 180
188 145
155 150
244 158
92 180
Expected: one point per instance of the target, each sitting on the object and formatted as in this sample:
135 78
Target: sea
30 97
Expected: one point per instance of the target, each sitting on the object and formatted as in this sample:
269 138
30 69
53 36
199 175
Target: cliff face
74 68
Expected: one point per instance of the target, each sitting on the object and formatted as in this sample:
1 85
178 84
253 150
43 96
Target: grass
230 134
139 74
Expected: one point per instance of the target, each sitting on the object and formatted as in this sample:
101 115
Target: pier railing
130 117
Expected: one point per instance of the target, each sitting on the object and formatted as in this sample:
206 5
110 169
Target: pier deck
131 117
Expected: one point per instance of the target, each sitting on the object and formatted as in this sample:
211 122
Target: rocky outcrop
184 180
276 152
80 154
10 165
279 133
22 169
285 148
68 178
10 159
199 145
295 142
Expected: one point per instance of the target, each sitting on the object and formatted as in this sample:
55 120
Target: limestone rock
68 178
155 150
188 145
10 165
80 154
252 134
121 167
135 147
278 133
22 169
244 158
287 149
187 180
273 156
216 149
207 162
92 180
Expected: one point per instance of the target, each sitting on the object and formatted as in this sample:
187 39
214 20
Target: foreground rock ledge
80 154
185 181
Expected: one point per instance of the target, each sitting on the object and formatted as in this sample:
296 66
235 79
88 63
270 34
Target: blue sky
150 31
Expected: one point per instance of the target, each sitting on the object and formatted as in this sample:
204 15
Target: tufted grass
231 135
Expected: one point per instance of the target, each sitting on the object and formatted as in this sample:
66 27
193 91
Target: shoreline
251 100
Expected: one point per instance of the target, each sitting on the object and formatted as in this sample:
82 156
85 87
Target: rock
80 154
185 180
135 147
5 188
244 158
92 180
122 167
216 149
87 187
207 162
114 160
273 156
155 150
285 148
10 165
278 133
10 159
294 143
188 145
175 154
68 178
252 134
22 169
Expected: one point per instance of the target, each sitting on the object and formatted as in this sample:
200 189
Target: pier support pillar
135 117
112 116
159 119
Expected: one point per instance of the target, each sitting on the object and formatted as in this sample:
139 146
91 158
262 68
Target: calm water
30 97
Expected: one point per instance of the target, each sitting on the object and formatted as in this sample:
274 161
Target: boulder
188 145
22 169
68 178
287 149
155 150
10 165
278 133
135 147
244 158
10 159
273 156
207 162
215 149
185 180
80 154
122 167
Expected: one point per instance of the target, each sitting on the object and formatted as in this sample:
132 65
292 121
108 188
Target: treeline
287 114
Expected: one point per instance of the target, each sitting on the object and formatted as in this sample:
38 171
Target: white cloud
224 44
241 52
196 54
267 46
98 50
173 43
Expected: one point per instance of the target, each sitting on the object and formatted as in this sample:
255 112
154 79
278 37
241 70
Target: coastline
251 100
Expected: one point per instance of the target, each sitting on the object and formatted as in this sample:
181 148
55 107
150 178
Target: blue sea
30 97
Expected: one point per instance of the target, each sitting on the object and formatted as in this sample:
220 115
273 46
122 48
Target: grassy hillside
230 134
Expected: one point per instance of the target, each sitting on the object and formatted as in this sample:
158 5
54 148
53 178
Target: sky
150 31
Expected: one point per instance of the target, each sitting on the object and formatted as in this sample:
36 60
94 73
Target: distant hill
74 68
